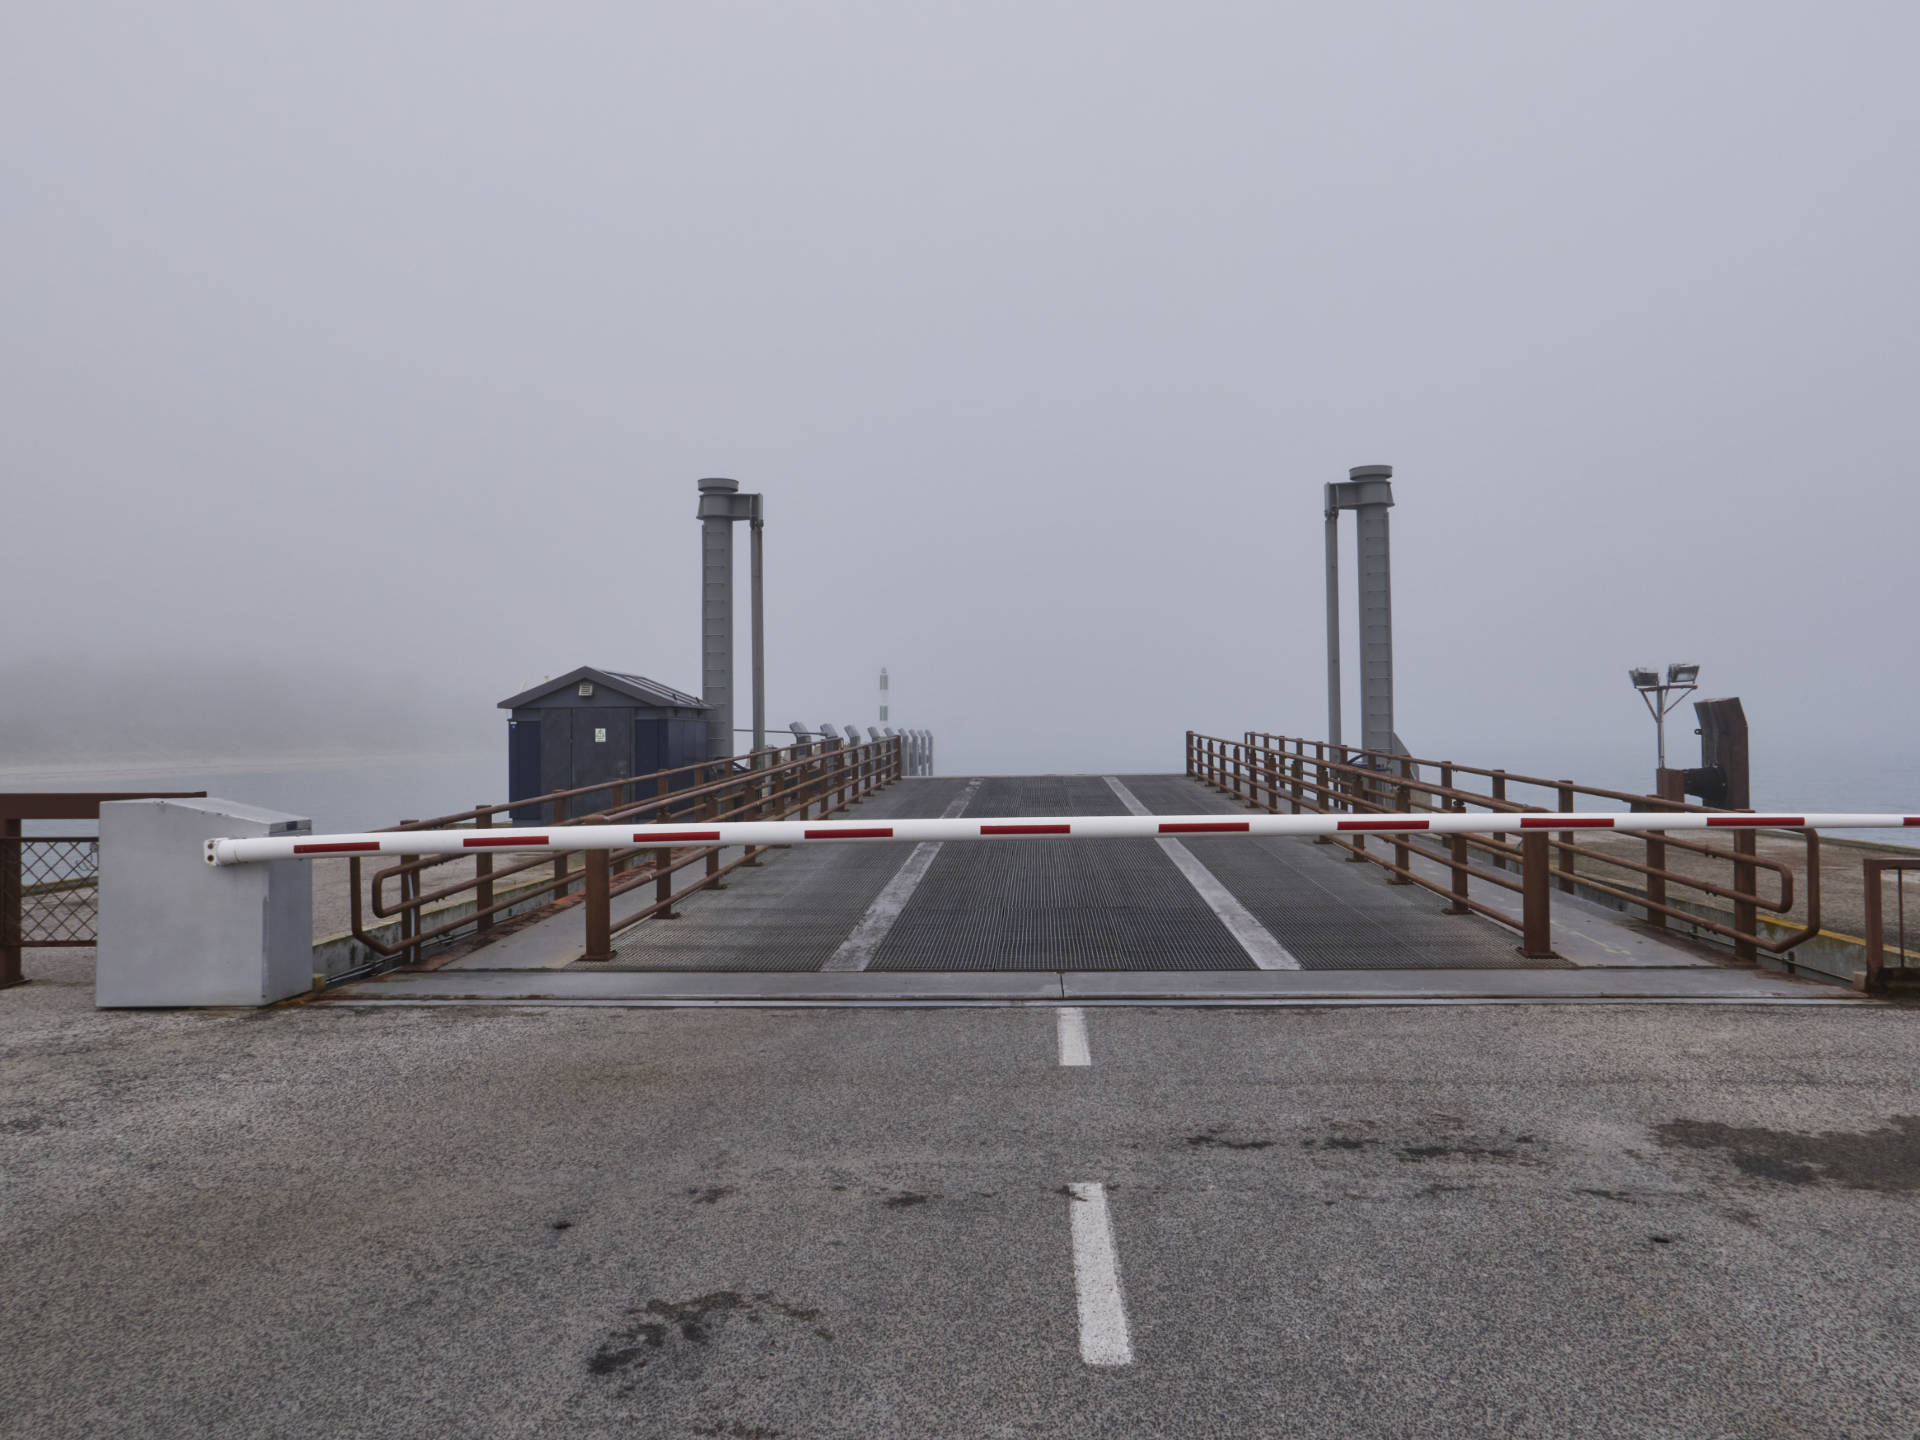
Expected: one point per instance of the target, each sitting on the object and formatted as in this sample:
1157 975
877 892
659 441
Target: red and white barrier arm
1078 827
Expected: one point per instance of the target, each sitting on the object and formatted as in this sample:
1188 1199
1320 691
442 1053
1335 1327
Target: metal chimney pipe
1367 491
1333 618
716 612
755 526
1376 605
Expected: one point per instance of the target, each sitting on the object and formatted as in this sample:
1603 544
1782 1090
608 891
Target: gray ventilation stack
1368 492
720 505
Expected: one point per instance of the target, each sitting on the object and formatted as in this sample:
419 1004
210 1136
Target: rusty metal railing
1880 975
49 884
808 779
1268 771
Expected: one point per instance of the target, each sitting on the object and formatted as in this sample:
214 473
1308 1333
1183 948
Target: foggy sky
387 341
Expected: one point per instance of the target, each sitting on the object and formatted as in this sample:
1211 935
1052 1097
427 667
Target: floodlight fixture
1662 698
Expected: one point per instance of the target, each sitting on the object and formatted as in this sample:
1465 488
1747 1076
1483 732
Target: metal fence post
1536 891
1656 861
560 860
1876 927
1357 793
711 805
753 791
663 883
617 800
483 873
599 904
1325 787
1402 857
409 911
1566 839
1458 905
1499 795
1746 914
12 909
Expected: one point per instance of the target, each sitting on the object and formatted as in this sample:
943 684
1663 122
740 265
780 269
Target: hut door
601 747
649 747
523 767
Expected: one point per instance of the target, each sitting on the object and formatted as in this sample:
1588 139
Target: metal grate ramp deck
793 910
1056 904
1332 913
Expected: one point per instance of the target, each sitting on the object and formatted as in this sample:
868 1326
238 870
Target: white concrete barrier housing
174 930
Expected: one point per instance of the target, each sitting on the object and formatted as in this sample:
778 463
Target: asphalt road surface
1512 1220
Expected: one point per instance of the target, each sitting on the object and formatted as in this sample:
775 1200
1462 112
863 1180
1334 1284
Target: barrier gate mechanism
1080 827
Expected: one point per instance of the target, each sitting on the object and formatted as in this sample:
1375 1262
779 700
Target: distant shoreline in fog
149 766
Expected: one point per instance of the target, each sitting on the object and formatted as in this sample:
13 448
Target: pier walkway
1275 920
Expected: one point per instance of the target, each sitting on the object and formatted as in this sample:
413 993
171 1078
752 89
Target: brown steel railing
1313 777
1880 974
800 780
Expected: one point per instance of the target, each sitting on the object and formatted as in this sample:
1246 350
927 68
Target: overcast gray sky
389 339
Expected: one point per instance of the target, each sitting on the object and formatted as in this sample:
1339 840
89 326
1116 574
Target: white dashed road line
1071 1022
857 950
1266 952
1104 1339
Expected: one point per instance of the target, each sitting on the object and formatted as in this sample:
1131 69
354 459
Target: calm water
1784 780
336 796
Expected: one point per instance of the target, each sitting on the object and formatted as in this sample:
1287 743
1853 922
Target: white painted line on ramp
1071 1022
856 952
1266 952
1096 1277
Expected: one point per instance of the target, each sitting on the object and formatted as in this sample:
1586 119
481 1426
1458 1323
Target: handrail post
599 901
753 801
1357 847
1325 787
1458 902
1656 863
1536 892
1746 914
1402 857
1500 797
483 873
563 885
12 903
1566 839
663 883
711 805
354 916
1876 933
409 909
617 799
